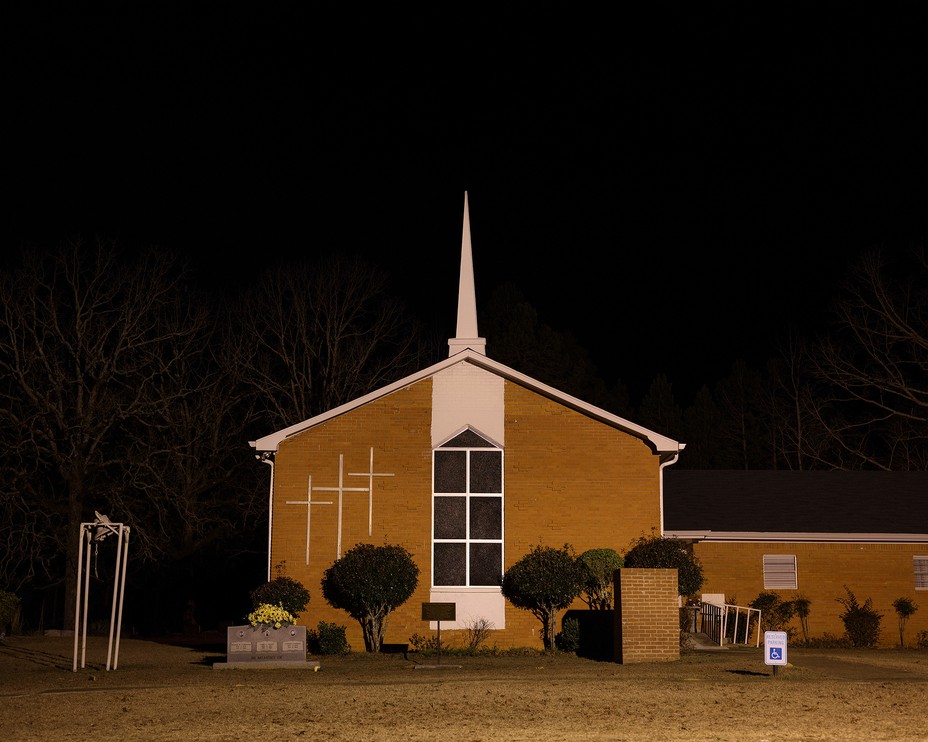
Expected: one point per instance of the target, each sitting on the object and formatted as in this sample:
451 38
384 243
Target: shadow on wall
597 630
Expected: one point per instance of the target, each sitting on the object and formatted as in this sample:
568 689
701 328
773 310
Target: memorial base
257 648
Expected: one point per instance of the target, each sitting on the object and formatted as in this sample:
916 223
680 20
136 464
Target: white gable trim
659 444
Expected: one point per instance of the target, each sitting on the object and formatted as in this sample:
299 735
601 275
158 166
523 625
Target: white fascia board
796 537
660 443
270 442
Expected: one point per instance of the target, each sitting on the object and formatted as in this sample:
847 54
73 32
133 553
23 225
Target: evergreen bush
802 606
544 581
424 644
905 607
328 639
599 566
369 582
861 622
281 591
667 553
568 638
775 613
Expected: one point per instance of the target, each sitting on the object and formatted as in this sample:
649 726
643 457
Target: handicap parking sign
775 647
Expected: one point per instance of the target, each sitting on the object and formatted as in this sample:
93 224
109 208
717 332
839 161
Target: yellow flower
270 615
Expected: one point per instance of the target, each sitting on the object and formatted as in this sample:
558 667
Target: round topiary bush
370 582
667 553
282 591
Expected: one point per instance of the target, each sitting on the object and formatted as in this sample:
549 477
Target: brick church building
469 463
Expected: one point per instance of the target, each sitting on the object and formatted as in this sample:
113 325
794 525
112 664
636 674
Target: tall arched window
467 514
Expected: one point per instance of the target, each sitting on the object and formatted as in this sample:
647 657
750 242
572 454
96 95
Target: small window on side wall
921 572
780 572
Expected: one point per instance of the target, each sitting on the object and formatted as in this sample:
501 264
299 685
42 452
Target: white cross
308 503
341 489
370 474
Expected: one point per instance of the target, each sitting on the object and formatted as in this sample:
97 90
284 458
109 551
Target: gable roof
468 347
667 448
733 505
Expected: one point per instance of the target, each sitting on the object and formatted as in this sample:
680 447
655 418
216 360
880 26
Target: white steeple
467 299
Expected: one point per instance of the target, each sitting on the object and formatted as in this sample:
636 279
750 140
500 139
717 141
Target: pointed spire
467 298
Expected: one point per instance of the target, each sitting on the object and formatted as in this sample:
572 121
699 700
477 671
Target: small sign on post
775 649
438 612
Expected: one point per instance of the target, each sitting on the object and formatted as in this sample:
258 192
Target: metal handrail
747 623
715 618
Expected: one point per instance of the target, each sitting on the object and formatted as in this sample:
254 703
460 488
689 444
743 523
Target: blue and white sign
775 647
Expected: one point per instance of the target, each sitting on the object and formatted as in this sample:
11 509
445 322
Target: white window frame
780 572
468 496
920 568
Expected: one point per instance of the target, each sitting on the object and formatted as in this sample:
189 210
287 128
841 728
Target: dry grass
167 692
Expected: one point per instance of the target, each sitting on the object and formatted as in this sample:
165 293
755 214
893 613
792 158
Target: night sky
675 186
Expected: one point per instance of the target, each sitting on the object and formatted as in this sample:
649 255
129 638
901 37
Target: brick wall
568 479
882 572
647 616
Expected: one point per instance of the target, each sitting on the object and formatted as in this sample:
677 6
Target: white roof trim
786 536
659 443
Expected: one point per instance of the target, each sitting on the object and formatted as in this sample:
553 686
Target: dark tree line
129 390
855 397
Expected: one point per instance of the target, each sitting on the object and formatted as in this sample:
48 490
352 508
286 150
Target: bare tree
323 333
191 480
86 340
875 365
742 436
791 411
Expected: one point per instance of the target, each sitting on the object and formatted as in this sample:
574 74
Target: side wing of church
467 464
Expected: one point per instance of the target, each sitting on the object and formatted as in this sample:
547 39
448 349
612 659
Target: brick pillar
647 615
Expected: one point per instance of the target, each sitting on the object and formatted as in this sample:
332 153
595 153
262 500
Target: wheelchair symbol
775 653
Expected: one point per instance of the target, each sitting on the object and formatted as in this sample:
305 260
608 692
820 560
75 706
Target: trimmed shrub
599 566
667 553
369 582
544 581
283 591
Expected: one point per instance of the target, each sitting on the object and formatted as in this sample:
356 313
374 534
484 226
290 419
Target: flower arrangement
267 616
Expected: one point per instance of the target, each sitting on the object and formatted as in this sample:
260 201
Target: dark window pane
449 517
486 517
449 564
450 471
486 564
486 471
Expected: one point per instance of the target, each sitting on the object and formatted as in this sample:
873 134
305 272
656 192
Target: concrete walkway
703 643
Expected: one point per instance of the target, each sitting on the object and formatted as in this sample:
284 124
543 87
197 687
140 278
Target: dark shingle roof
796 501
